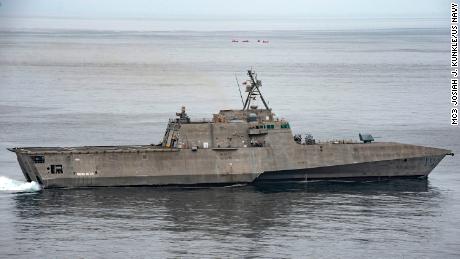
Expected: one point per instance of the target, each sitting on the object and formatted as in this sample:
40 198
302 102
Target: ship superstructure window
285 126
56 169
38 159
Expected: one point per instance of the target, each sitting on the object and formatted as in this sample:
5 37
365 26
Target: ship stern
27 165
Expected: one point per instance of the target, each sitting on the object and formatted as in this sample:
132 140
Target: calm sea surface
65 88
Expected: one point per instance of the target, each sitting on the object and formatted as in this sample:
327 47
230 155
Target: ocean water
98 87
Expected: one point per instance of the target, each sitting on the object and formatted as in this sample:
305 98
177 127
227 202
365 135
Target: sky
165 15
226 9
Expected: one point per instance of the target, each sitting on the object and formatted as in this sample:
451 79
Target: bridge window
285 126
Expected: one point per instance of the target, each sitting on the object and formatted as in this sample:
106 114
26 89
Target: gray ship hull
158 166
397 168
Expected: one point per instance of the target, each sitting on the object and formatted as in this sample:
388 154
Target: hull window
38 159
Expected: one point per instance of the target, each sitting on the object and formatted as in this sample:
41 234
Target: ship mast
253 89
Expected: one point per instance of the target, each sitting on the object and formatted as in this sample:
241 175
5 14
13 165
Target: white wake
10 185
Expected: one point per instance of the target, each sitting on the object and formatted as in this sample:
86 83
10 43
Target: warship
248 145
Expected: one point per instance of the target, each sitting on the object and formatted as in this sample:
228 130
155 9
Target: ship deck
108 149
155 148
91 149
119 148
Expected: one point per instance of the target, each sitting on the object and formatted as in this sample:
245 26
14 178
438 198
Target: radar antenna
239 89
253 89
